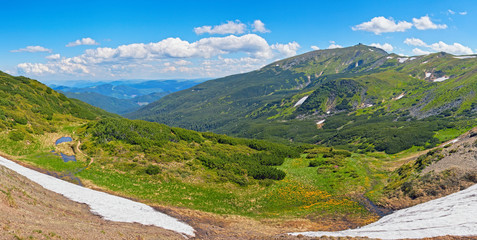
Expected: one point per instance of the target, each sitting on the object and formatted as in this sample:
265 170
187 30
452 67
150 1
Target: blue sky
109 40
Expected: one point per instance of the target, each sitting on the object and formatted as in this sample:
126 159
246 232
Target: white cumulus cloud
418 51
379 25
53 57
386 46
173 56
455 48
334 45
315 47
83 41
231 27
259 26
425 23
288 49
415 42
32 49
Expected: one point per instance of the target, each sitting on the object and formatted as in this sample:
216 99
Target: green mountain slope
28 105
338 89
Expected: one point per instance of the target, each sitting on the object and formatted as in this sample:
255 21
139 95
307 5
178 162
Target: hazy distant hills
123 96
356 95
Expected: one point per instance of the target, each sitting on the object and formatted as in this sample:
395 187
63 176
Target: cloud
451 12
53 57
418 51
463 13
315 47
182 62
83 41
35 68
288 49
379 25
259 26
455 48
334 45
386 46
251 44
32 49
415 42
425 23
230 27
141 59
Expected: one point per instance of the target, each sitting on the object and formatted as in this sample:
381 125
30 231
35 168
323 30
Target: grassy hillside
29 109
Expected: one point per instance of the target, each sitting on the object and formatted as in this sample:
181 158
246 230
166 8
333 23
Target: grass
450 133
189 184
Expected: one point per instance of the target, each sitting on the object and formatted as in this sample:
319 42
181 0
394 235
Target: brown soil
27 211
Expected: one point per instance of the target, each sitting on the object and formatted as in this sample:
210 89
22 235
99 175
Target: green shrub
16 135
152 170
314 163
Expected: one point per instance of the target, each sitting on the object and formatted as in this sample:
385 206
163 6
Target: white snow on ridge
428 74
401 60
452 215
464 57
301 101
441 79
108 206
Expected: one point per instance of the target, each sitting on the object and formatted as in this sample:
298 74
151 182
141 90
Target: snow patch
452 141
301 101
389 57
464 57
400 96
428 74
356 65
401 60
320 122
441 79
424 62
110 207
452 215
410 59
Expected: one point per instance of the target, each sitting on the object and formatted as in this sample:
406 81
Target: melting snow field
401 60
453 215
110 207
301 101
441 79
464 57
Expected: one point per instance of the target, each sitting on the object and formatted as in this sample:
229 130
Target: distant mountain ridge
122 97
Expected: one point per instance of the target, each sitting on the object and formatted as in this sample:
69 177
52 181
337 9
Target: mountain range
122 97
355 97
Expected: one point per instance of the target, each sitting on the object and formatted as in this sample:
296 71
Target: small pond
63 140
66 158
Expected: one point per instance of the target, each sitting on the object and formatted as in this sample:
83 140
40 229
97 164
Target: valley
302 167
